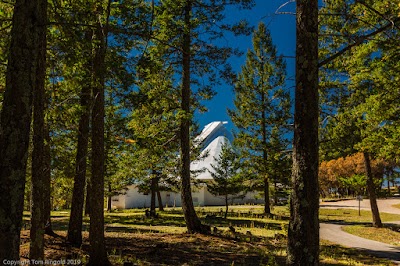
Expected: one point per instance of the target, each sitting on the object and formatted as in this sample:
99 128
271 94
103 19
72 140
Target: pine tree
356 95
303 232
262 109
227 181
21 82
98 253
39 184
75 222
154 120
6 14
180 26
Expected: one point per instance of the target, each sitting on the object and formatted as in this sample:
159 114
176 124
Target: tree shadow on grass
348 256
395 227
142 220
165 249
178 249
221 222
178 221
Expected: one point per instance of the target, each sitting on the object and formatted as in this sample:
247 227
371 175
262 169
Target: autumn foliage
347 175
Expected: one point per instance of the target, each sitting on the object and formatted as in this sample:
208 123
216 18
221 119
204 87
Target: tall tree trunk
38 188
48 229
376 219
226 206
303 234
267 208
88 195
160 204
75 221
153 188
193 223
388 185
109 198
98 253
275 194
28 24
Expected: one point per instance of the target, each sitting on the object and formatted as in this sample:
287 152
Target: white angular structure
211 139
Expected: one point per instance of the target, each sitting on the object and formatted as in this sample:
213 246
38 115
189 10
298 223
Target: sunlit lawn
332 254
390 234
351 216
257 240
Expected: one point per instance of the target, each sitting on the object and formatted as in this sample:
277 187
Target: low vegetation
351 216
246 237
390 234
332 254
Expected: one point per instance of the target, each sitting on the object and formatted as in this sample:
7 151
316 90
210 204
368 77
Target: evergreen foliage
262 113
126 78
189 30
356 87
227 181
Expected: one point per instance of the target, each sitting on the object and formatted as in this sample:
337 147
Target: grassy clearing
257 240
183 249
388 234
396 206
351 216
332 254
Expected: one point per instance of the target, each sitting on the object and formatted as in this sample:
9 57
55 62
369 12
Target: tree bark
36 248
76 218
109 198
97 252
303 233
376 219
88 195
160 204
28 22
226 206
193 223
48 229
267 208
153 188
275 194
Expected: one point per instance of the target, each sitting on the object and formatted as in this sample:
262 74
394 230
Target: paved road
334 233
384 205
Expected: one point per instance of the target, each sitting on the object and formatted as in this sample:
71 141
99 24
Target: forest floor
131 237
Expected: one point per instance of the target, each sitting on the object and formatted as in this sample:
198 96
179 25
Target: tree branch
359 41
377 12
283 5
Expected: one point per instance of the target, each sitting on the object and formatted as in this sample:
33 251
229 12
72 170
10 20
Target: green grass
268 244
389 234
351 216
332 254
396 206
172 221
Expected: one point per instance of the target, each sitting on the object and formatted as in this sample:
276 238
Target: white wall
118 202
134 199
170 199
201 197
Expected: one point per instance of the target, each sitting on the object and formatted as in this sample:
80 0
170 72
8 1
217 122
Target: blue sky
283 31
